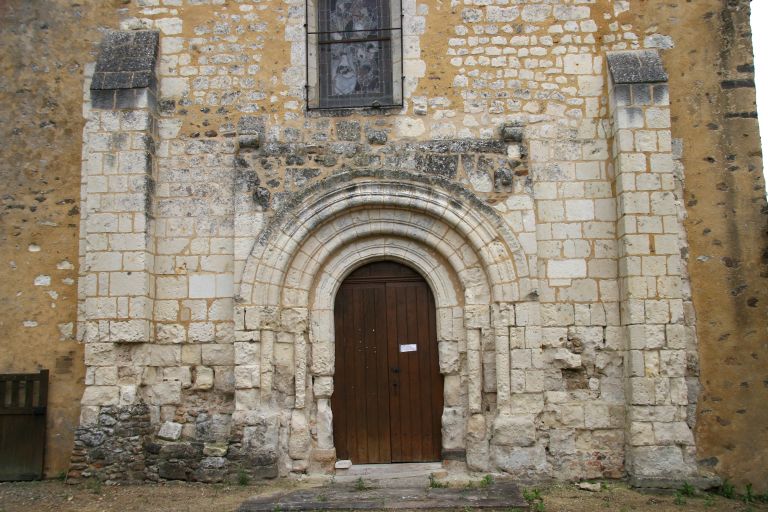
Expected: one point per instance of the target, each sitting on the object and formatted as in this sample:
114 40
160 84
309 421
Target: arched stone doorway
286 346
388 398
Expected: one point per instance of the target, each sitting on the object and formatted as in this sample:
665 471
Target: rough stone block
260 440
215 449
520 461
323 387
218 354
203 378
157 355
100 354
564 358
660 462
165 393
323 359
126 60
299 439
324 424
348 130
513 430
247 376
675 433
170 431
101 395
477 317
512 133
448 356
642 391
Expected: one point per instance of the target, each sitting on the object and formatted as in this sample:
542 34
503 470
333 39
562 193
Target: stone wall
540 194
506 180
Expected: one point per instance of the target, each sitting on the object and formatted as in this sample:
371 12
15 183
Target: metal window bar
351 67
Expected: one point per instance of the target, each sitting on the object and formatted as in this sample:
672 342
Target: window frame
318 63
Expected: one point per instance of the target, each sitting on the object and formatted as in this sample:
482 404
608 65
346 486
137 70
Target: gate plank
15 394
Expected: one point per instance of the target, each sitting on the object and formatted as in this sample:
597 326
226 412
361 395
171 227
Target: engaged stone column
660 445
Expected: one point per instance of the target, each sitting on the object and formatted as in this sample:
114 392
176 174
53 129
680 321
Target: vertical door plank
371 418
396 440
339 396
426 441
436 380
29 393
406 414
44 376
381 372
414 373
358 391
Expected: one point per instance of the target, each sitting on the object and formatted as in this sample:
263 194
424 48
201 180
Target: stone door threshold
390 471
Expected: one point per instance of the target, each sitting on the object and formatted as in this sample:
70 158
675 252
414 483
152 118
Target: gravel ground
618 497
49 496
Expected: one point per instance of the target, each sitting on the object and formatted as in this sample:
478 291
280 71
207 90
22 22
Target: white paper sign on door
411 347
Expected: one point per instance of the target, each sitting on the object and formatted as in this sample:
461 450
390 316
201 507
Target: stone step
410 495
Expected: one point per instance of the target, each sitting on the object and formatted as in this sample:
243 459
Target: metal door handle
395 370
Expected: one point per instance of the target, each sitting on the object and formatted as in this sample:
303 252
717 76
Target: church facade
326 230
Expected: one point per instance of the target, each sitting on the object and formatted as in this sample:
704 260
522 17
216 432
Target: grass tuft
360 484
486 481
434 483
727 490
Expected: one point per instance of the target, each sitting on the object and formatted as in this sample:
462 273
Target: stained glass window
354 53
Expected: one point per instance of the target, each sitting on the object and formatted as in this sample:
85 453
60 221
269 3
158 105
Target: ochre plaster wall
45 45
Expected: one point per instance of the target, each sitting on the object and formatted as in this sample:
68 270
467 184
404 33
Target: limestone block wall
537 199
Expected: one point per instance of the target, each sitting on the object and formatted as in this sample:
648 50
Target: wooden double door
388 391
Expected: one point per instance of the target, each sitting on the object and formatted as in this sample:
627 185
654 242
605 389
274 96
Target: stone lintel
636 67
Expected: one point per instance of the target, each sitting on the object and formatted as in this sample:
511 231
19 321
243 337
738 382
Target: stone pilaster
118 175
660 444
116 288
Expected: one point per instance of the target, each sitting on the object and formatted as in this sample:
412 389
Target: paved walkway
390 491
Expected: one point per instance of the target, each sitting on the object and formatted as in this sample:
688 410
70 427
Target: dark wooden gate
388 391
23 404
